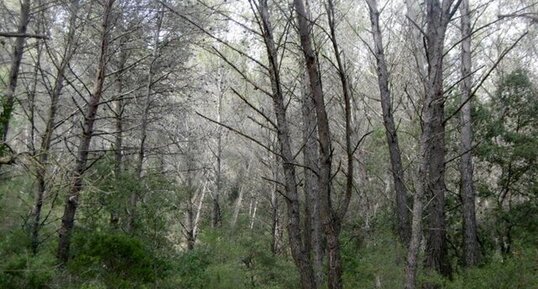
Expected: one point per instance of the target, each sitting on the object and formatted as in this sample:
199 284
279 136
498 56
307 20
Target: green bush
116 259
19 268
517 272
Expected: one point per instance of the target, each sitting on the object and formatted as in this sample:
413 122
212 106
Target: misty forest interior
269 144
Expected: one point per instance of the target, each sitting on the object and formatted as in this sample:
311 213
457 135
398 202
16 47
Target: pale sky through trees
268 144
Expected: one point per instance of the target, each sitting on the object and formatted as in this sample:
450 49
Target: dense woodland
269 144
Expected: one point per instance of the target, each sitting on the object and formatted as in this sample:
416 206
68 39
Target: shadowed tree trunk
402 213
71 202
216 216
471 251
329 217
297 244
46 140
313 229
8 100
119 108
438 16
145 118
430 181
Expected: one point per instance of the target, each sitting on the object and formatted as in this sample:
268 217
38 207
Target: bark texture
402 213
330 218
437 19
43 153
145 118
298 250
430 182
8 100
71 202
313 228
471 250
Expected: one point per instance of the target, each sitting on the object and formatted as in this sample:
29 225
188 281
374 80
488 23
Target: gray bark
145 120
216 219
329 217
430 182
119 107
338 213
43 154
71 202
313 228
298 250
402 213
471 250
8 100
438 16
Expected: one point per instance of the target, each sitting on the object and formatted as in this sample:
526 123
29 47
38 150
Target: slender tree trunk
46 140
35 223
253 217
298 251
144 123
313 228
237 208
275 224
188 227
118 127
199 212
216 214
190 221
333 230
402 213
8 101
71 202
471 250
332 216
416 225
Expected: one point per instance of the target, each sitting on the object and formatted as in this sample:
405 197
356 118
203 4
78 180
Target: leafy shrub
118 260
19 268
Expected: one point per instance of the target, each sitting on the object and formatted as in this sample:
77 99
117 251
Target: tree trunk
335 262
438 16
189 229
402 213
275 222
118 127
430 181
44 149
416 224
313 228
299 254
144 123
8 101
71 202
331 219
237 208
216 220
471 250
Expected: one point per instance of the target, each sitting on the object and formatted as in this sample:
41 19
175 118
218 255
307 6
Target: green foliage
118 260
373 259
109 194
517 272
507 152
191 268
244 260
15 196
19 268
